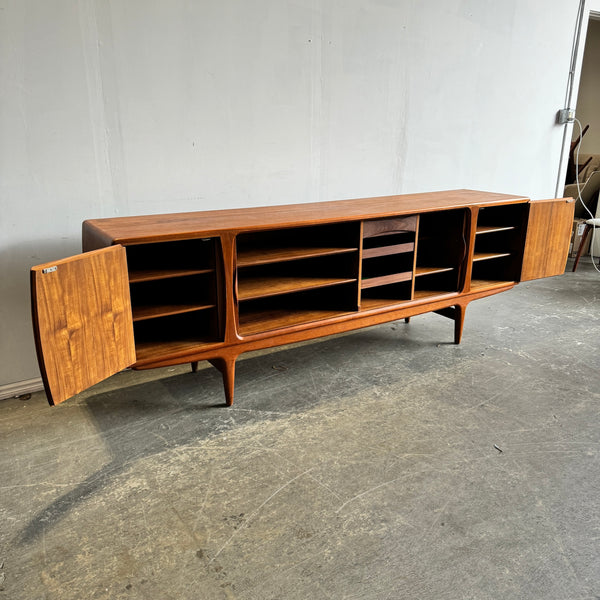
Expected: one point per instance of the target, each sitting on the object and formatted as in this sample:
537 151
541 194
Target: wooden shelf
156 274
264 256
268 320
148 351
478 256
387 250
263 287
423 294
385 279
141 313
373 303
419 271
488 284
481 229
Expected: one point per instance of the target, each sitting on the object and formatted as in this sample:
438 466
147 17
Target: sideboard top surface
163 227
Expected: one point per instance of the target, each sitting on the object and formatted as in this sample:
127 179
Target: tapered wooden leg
407 319
227 368
229 379
459 321
194 366
586 232
457 314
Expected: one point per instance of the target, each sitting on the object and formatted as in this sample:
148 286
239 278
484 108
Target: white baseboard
10 390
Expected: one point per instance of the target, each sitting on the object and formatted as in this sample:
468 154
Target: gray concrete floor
361 466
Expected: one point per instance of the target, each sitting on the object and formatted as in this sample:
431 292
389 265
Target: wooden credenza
159 290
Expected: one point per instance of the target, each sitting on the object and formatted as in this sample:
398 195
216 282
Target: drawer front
386 226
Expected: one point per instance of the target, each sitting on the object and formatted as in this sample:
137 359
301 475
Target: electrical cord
580 189
570 87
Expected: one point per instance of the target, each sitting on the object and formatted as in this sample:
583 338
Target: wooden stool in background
589 225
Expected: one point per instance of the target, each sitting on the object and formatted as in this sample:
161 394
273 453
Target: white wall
136 106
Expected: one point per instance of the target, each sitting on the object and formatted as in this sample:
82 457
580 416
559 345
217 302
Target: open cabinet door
548 236
82 320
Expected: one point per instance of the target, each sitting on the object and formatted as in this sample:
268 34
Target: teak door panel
82 320
548 236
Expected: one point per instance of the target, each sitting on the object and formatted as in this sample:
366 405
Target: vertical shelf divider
415 255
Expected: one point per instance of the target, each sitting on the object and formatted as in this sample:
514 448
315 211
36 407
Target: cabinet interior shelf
141 313
146 351
385 279
478 256
488 284
423 294
259 321
481 229
387 250
263 287
140 275
373 303
264 256
419 271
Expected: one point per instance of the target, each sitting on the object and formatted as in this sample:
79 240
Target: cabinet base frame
223 358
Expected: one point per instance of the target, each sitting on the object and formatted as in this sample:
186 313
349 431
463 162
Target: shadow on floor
143 420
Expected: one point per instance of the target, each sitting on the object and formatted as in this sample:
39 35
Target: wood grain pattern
488 255
385 279
269 320
488 284
141 313
82 320
388 250
263 287
264 256
482 229
428 294
419 271
149 353
373 303
140 275
151 228
548 237
389 226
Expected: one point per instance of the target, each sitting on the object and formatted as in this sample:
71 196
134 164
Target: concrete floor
362 466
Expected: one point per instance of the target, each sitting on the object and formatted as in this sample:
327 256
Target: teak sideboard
159 290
